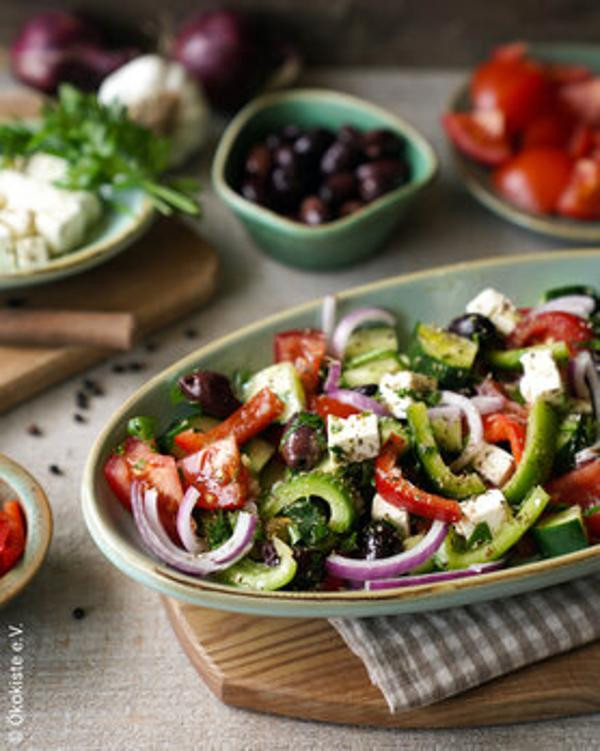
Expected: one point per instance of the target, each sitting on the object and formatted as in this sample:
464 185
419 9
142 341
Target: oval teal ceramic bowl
15 482
115 231
435 295
477 178
343 241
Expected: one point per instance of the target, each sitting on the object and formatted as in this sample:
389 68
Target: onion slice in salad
334 374
473 417
352 321
385 568
144 503
360 401
328 316
445 413
436 576
488 404
585 379
579 305
185 524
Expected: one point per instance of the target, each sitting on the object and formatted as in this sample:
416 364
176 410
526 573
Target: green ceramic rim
287 226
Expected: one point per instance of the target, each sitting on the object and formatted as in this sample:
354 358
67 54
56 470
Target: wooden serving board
302 668
165 275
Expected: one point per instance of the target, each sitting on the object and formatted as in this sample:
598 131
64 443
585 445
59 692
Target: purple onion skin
56 47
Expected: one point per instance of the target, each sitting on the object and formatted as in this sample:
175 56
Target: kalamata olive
254 189
377 178
382 144
476 327
369 389
212 391
302 444
286 187
313 143
291 132
273 141
350 134
313 211
378 540
259 161
349 207
338 188
339 157
284 156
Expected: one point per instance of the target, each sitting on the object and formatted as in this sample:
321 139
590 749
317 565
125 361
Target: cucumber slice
561 533
570 289
510 359
370 344
371 372
576 431
283 379
390 426
332 489
259 452
443 355
249 574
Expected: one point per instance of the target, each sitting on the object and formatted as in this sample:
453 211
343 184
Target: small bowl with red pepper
320 179
25 528
526 137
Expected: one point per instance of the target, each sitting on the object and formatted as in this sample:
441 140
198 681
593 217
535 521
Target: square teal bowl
343 241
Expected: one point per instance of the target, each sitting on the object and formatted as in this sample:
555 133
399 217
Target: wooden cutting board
165 275
302 668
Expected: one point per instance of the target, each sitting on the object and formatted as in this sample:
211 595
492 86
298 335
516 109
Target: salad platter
467 515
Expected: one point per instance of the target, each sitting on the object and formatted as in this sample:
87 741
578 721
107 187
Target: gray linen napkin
419 659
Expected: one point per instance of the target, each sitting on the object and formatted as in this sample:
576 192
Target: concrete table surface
117 679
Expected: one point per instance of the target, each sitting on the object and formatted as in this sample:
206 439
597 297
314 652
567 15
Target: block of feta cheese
31 252
541 376
8 261
493 463
46 167
398 517
398 390
352 439
18 221
498 308
490 508
62 231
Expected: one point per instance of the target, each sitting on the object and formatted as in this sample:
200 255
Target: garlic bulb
159 94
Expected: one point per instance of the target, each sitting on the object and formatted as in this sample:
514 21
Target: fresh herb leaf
142 427
308 522
214 526
480 535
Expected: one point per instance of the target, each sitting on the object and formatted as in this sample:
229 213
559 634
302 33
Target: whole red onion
56 46
229 54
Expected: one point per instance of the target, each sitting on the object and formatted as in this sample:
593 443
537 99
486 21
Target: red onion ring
354 320
487 404
586 383
332 382
473 417
185 525
579 305
436 576
384 568
588 454
445 413
328 316
360 401
144 503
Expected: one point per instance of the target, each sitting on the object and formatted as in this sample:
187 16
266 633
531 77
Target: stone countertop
117 679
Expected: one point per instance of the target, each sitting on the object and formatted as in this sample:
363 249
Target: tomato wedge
554 326
397 490
218 473
499 427
581 486
534 179
325 405
581 196
479 135
12 535
582 99
251 418
548 131
305 349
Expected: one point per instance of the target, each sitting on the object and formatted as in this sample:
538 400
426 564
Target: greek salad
352 464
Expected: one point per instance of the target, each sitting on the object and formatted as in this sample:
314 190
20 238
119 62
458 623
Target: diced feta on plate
31 252
490 508
398 517
541 376
398 390
498 308
62 231
493 463
18 221
353 439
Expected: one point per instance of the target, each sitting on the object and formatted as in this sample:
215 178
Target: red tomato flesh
581 196
325 405
12 535
305 349
479 135
554 326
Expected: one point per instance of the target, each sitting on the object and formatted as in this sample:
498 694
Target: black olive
211 390
378 540
301 448
477 328
382 144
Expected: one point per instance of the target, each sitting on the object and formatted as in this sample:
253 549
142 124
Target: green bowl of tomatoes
525 133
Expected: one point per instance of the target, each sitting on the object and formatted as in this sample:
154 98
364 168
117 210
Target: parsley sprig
104 148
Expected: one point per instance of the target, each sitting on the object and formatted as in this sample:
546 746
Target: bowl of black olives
320 179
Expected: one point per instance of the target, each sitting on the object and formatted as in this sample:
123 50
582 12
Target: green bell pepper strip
442 477
249 574
540 447
507 536
510 359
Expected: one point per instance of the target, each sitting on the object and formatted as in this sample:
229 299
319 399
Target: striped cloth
423 658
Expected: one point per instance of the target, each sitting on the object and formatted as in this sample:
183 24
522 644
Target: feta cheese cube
398 517
8 261
398 390
31 252
498 308
490 508
352 439
46 167
62 231
541 376
18 221
493 463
